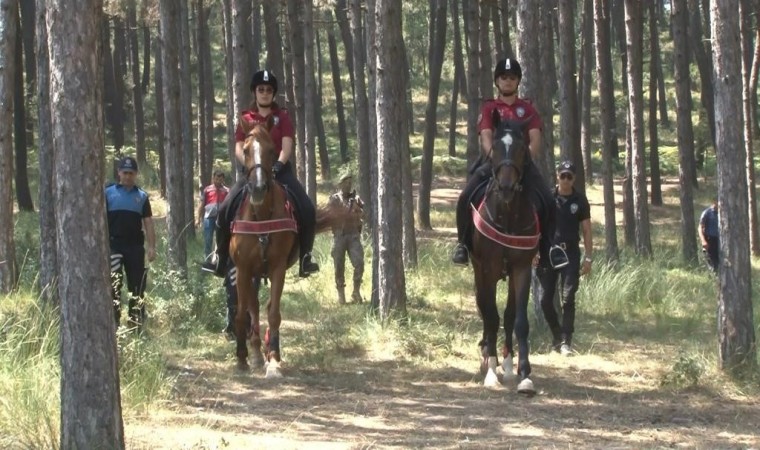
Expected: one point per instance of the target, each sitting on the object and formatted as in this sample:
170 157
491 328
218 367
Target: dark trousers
543 201
711 252
569 276
129 260
304 208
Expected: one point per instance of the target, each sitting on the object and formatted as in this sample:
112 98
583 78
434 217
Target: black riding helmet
505 66
264 77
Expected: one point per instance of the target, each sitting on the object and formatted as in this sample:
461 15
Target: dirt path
589 401
607 396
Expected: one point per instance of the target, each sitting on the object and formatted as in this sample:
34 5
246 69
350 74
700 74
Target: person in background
709 234
573 219
130 224
347 239
211 197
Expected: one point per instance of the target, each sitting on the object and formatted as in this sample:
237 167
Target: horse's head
259 152
509 156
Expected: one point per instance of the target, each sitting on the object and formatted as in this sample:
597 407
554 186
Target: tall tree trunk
275 59
584 89
736 331
205 95
746 13
634 30
390 106
361 107
119 54
654 151
8 268
546 88
158 94
324 157
346 33
437 44
256 35
186 116
229 70
569 138
298 74
506 51
529 54
371 54
471 31
23 194
486 62
309 94
145 83
137 93
90 396
703 57
171 38
338 87
685 132
47 281
753 83
458 79
605 86
409 235
27 10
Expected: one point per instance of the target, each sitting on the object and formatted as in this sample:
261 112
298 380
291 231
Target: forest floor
608 395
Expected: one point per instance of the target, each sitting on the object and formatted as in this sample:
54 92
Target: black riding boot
307 266
218 264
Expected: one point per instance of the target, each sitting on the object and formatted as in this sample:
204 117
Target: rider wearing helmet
264 89
506 76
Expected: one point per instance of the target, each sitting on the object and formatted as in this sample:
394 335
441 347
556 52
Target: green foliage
686 372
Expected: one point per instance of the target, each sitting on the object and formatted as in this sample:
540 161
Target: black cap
128 163
566 166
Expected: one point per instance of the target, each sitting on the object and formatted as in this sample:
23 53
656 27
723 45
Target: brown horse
504 243
264 245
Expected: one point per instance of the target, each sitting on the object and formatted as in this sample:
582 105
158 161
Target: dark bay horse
264 245
504 242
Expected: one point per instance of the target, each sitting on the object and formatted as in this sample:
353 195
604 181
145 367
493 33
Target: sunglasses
566 176
264 89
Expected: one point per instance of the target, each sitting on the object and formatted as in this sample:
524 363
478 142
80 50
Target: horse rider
507 76
264 88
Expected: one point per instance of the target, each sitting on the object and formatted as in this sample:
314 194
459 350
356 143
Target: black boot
307 266
218 263
460 256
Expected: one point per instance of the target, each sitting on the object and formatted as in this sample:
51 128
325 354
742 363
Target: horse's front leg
255 324
277 279
485 296
508 351
521 278
242 321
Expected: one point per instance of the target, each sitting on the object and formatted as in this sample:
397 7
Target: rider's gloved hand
277 167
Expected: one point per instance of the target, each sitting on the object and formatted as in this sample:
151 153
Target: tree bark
206 101
471 31
256 35
137 93
117 106
459 79
338 87
186 119
685 132
704 64
605 86
437 45
47 282
8 268
229 70
569 138
310 94
546 88
171 37
390 106
158 94
298 74
584 88
634 30
90 396
346 32
361 107
654 151
23 194
736 331
486 62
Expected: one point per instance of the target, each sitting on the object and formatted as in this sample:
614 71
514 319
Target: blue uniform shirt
126 210
709 220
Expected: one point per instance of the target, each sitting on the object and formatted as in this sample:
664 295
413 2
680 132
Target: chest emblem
520 111
276 120
574 208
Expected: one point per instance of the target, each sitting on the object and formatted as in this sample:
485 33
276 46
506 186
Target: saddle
260 227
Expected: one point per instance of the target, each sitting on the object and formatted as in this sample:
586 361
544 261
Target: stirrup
558 257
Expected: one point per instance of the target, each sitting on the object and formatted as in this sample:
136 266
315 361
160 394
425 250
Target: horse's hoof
273 370
491 380
507 366
525 387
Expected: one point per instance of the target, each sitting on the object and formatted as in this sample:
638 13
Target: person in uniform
347 239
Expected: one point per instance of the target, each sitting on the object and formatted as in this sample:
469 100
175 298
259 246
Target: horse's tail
330 216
